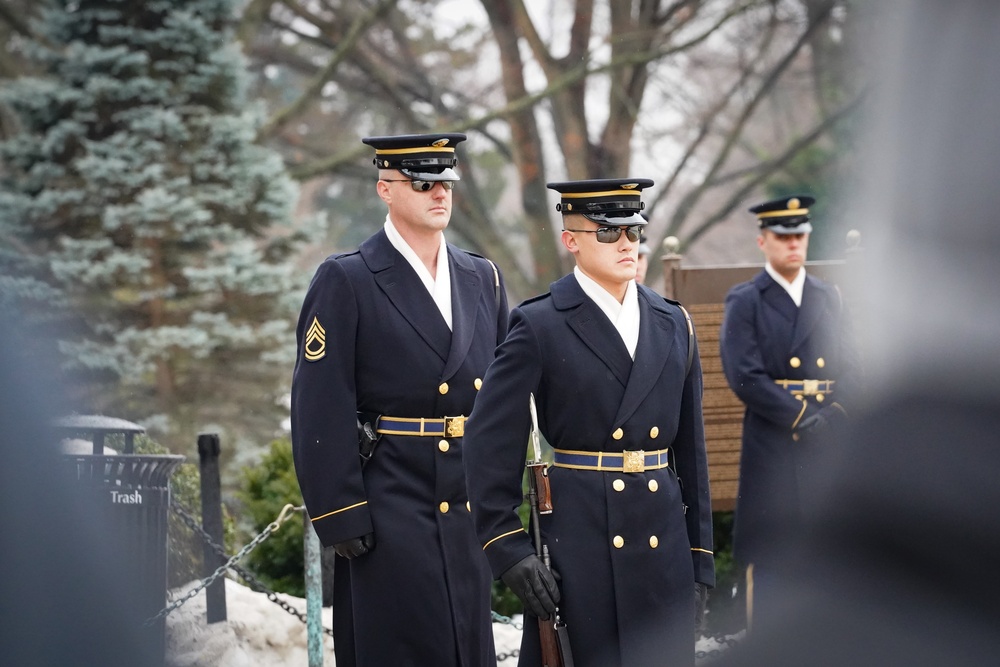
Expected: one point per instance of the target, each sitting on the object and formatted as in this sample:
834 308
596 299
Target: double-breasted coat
372 341
626 551
766 338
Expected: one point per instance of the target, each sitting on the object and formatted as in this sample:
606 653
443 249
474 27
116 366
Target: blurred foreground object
907 527
65 601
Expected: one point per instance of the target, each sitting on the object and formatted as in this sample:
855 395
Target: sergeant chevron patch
315 345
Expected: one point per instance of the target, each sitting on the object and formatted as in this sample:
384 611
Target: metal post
211 521
671 266
314 594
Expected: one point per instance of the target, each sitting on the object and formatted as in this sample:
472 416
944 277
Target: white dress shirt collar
624 316
793 288
439 289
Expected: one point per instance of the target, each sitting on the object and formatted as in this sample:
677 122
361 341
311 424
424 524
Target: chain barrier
507 620
517 625
251 579
722 644
516 653
286 512
256 585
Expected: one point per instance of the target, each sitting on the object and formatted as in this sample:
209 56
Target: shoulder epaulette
536 298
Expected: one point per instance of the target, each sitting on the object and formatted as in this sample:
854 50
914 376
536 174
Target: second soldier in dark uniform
399 334
787 354
617 383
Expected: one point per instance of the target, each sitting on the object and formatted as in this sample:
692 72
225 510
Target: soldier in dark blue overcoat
787 353
618 389
398 335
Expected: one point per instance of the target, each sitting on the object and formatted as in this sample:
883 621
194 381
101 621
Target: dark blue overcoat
631 604
422 596
766 337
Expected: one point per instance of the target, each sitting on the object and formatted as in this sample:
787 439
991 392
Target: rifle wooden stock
552 633
550 643
540 476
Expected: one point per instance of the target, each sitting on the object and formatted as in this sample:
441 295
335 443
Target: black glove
827 417
700 602
356 546
534 585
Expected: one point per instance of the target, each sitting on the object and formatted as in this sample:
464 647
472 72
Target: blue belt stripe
612 461
825 386
432 426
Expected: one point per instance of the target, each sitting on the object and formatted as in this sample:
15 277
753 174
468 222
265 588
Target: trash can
130 493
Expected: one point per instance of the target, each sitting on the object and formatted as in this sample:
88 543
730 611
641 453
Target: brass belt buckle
810 387
454 427
634 461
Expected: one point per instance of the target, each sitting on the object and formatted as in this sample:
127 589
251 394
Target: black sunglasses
612 234
420 186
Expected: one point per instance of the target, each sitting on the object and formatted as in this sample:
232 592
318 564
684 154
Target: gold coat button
794 362
618 434
468 506
443 445
478 384
443 389
444 507
795 437
653 485
655 431
653 542
821 362
820 397
618 485
619 541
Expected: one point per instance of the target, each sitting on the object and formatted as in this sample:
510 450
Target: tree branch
315 87
689 200
766 169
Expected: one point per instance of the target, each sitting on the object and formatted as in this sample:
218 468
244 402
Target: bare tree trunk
526 145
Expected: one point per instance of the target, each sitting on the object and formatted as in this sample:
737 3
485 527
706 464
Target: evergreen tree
138 216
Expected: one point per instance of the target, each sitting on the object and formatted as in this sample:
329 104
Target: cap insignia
315 345
793 203
440 142
629 186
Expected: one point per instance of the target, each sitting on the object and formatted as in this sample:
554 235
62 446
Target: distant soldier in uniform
617 381
787 355
394 340
642 260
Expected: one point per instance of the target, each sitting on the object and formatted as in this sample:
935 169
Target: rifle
553 633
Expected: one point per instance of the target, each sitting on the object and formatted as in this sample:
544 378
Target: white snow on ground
259 632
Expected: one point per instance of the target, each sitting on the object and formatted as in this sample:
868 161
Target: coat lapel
651 354
402 286
466 290
810 312
776 298
592 326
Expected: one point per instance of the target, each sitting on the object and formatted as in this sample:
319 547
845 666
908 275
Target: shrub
266 488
